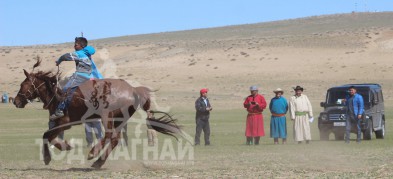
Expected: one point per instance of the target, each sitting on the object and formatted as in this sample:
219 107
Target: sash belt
301 113
277 115
252 113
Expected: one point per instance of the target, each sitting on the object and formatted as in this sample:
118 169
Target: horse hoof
90 156
47 160
68 147
96 165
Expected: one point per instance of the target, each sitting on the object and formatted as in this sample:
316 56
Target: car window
374 96
335 96
379 95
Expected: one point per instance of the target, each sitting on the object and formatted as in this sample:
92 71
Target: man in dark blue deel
355 110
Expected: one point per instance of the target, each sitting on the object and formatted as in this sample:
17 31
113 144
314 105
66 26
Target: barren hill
315 52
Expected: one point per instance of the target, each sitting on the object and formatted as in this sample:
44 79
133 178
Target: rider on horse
85 70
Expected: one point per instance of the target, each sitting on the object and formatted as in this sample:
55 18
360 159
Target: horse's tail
164 124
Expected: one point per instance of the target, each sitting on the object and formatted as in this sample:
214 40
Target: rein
57 85
36 89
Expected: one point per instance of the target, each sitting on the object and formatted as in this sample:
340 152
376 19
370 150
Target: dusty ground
315 52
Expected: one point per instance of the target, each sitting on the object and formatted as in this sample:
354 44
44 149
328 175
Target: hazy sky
28 22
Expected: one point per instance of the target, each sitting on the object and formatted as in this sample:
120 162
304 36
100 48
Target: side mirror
323 104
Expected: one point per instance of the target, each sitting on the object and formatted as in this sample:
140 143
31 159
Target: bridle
34 90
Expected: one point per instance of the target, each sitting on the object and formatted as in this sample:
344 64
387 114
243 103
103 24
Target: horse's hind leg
95 151
102 159
127 113
99 146
114 140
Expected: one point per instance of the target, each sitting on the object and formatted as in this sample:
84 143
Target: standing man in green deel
301 114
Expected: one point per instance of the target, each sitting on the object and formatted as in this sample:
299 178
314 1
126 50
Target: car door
376 109
380 107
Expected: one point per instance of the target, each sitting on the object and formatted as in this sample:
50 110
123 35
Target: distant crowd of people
300 112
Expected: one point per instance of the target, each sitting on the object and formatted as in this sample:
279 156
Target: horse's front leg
45 151
59 127
61 145
50 137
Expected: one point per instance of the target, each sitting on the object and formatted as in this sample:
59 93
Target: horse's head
29 90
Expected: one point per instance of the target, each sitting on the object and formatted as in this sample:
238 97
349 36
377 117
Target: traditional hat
278 90
298 88
254 88
203 90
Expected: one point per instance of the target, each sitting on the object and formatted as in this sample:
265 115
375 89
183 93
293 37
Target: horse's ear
27 74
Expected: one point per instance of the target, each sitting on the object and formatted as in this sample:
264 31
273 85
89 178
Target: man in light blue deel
278 123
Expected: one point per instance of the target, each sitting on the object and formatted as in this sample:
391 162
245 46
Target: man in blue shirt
278 124
355 110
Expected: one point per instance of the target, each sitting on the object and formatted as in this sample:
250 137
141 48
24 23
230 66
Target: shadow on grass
55 170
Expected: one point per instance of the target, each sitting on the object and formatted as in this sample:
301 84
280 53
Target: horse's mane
45 76
48 77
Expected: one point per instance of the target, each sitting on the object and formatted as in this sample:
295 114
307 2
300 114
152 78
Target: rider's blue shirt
85 66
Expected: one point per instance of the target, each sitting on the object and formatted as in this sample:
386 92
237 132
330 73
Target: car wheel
339 136
381 133
368 133
323 135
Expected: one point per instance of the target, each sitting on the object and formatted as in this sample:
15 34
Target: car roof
364 85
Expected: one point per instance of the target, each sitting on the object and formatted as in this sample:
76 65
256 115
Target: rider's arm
68 57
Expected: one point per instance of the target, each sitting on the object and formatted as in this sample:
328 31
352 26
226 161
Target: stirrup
58 114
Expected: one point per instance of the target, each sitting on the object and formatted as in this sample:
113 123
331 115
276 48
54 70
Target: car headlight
324 117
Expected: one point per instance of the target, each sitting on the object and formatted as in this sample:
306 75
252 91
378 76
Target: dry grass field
314 52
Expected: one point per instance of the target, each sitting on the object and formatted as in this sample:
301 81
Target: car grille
337 117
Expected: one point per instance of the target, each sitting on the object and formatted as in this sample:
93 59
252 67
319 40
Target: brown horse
112 100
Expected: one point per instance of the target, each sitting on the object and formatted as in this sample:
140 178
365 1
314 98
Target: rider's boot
59 111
